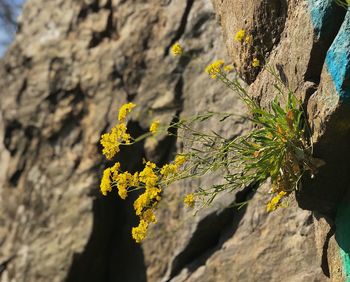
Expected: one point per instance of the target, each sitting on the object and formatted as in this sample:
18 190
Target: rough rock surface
72 65
312 59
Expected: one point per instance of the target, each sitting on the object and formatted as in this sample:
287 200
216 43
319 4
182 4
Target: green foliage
275 148
343 3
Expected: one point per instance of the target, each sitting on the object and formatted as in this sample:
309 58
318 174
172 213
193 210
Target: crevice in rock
98 37
87 9
11 129
120 83
3 264
111 254
182 27
21 91
14 178
197 30
324 261
324 192
326 36
315 194
211 233
73 119
17 140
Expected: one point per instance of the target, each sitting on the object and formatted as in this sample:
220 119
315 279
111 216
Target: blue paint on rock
338 59
322 16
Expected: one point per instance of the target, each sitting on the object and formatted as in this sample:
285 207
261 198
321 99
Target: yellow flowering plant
275 148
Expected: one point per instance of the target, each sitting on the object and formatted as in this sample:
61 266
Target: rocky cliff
71 66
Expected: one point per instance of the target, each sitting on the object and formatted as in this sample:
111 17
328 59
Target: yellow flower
105 185
256 63
125 110
215 68
115 170
228 68
110 144
141 202
239 36
149 216
122 134
176 49
275 202
189 200
154 126
123 182
180 160
249 39
148 176
168 169
111 141
139 233
134 182
144 200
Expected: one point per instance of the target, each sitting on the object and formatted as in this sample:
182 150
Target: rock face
73 63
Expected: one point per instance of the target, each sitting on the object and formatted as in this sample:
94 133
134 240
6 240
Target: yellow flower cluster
124 111
214 68
154 126
124 181
189 200
171 169
241 36
145 204
217 67
180 160
148 180
105 185
140 232
275 202
118 135
256 63
111 177
176 49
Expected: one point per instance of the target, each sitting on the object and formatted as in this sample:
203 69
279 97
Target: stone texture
264 20
311 59
73 63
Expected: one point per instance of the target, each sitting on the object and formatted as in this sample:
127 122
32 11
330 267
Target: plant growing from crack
275 148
